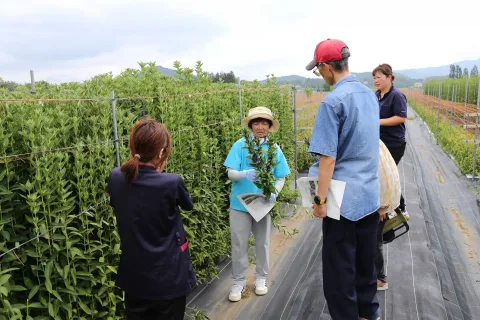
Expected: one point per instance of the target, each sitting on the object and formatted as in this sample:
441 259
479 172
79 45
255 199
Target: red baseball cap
327 51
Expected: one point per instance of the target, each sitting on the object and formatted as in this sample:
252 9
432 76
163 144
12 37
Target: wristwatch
318 200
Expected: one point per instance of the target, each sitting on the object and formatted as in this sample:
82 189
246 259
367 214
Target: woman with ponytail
155 270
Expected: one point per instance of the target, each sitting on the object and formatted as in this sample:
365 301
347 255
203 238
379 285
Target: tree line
457 73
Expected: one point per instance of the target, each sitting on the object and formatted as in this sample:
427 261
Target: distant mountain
403 78
292 78
167 72
436 78
299 81
366 78
424 73
401 81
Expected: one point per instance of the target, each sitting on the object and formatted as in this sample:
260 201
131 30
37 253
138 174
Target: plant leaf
84 307
4 291
4 279
33 292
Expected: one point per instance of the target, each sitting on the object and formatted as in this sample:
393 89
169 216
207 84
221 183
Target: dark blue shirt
155 263
393 103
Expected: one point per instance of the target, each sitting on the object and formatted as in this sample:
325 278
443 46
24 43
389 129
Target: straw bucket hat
261 112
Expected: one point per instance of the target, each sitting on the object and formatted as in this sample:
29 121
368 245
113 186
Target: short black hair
259 120
341 65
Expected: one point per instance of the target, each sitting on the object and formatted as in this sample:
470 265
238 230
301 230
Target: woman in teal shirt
261 121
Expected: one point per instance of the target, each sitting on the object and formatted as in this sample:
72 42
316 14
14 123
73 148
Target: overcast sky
73 40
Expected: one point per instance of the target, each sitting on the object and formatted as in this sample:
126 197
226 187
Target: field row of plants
450 137
465 88
307 103
69 272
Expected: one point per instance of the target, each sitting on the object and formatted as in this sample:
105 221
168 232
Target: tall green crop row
64 273
450 137
460 86
55 157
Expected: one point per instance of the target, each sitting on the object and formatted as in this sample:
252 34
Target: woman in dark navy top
155 268
393 114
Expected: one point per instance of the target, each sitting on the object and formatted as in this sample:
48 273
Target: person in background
346 138
261 122
390 191
155 270
393 114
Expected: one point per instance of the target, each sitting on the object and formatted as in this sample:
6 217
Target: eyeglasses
316 71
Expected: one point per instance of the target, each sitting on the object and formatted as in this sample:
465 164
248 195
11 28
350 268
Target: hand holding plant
250 175
273 197
263 162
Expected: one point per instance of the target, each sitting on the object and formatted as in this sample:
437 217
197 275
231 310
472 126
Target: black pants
349 278
139 309
379 260
397 154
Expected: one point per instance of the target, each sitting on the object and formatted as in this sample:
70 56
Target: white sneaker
382 286
236 293
261 287
405 214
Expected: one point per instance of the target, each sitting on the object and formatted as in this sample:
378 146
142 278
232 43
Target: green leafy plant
196 314
262 161
450 137
454 87
278 213
55 158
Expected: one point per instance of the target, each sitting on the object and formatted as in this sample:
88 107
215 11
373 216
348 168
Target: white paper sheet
256 205
308 187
